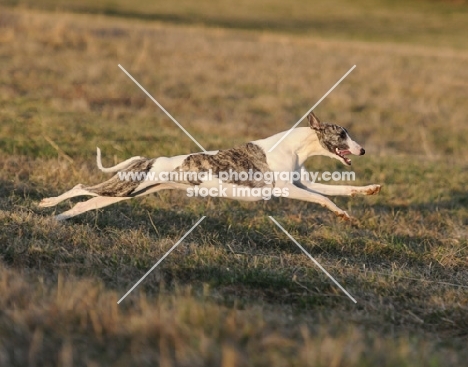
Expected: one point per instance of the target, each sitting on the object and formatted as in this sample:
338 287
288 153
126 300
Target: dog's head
335 139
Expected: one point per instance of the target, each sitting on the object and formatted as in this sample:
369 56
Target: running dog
288 156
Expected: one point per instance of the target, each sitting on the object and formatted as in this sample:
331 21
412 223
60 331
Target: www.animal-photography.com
223 183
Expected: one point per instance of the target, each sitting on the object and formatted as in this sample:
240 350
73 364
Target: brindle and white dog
289 156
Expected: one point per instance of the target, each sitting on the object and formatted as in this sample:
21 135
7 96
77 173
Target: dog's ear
314 122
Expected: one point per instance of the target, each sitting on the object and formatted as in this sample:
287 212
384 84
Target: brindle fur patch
332 136
116 187
239 159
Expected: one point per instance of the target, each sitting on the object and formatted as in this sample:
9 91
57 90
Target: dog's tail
117 167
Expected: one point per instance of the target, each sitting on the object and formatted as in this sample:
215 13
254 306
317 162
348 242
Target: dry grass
429 22
237 292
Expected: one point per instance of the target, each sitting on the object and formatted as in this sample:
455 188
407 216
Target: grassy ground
431 22
237 292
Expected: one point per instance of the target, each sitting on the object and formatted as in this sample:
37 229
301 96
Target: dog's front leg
297 193
335 190
340 190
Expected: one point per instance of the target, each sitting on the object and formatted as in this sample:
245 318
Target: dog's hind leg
94 203
102 201
78 190
297 193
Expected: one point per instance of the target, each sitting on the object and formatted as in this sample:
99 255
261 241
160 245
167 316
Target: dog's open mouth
342 154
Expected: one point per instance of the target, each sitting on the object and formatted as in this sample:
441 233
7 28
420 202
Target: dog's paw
373 189
343 215
47 202
62 217
367 190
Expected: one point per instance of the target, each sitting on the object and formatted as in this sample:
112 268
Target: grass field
430 22
237 291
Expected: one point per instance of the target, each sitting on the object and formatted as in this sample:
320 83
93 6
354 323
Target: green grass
237 291
435 23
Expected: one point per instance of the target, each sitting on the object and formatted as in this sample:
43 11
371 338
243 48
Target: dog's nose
363 151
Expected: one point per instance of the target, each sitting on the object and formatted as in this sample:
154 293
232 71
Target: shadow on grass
240 233
90 249
453 199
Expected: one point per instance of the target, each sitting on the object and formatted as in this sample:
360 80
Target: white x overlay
200 146
162 258
312 108
162 108
310 257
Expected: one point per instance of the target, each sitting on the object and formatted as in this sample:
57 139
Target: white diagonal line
310 257
161 259
315 105
162 108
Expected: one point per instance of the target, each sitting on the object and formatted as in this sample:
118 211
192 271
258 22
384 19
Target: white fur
289 156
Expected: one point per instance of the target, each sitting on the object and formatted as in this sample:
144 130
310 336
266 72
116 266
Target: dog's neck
308 145
301 142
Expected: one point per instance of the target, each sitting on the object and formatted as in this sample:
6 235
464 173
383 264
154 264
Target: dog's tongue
342 154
